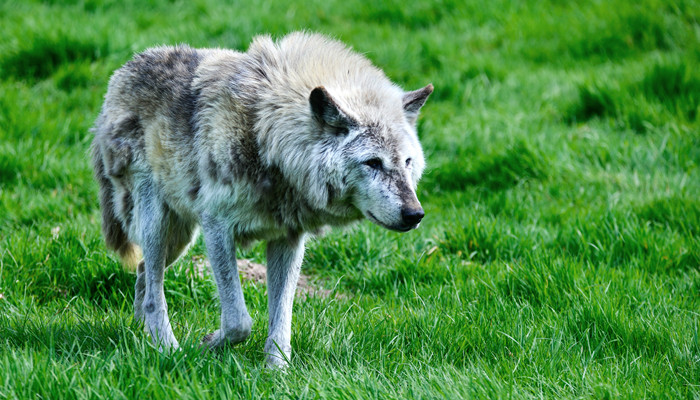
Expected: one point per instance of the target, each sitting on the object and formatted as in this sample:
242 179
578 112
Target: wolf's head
338 129
376 160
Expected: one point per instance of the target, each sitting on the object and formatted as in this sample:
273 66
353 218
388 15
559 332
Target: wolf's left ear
413 101
327 111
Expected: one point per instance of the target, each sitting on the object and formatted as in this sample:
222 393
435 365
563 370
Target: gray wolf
273 144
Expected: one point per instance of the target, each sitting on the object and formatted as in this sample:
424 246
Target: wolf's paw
277 356
168 348
276 362
218 338
212 340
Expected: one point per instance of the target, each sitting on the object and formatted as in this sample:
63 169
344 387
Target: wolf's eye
408 162
374 163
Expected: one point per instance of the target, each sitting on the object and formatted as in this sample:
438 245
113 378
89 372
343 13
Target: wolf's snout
412 216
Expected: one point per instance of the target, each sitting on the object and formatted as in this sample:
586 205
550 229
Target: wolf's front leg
153 223
235 320
284 258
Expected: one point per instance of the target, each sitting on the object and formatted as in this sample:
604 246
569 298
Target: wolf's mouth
376 220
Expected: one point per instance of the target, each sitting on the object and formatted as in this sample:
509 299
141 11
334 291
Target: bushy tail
112 229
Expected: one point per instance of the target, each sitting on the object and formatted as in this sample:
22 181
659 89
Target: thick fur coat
272 144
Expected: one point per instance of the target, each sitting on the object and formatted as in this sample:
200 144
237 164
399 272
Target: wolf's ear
327 111
413 101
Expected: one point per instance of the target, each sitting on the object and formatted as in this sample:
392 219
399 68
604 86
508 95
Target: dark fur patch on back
168 74
184 105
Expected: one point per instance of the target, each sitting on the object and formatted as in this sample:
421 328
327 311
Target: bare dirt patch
257 273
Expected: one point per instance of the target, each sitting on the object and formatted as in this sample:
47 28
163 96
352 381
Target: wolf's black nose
412 216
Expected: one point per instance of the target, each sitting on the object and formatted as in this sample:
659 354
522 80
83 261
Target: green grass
560 255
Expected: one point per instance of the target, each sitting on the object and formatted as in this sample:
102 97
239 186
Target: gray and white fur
273 144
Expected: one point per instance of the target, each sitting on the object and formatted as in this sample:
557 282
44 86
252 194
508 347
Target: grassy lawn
559 256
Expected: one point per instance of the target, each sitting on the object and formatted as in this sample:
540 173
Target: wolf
277 144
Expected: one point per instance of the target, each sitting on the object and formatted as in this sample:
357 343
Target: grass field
560 254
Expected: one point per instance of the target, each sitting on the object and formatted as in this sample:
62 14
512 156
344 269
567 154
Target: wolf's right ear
413 101
327 111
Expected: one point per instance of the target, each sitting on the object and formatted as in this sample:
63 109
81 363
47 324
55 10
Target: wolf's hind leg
235 320
284 257
180 236
154 219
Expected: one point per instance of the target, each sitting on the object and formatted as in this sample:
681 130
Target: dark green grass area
559 256
44 55
669 89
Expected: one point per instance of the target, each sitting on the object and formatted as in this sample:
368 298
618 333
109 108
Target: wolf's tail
112 228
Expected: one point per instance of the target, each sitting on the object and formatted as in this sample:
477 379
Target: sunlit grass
559 256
